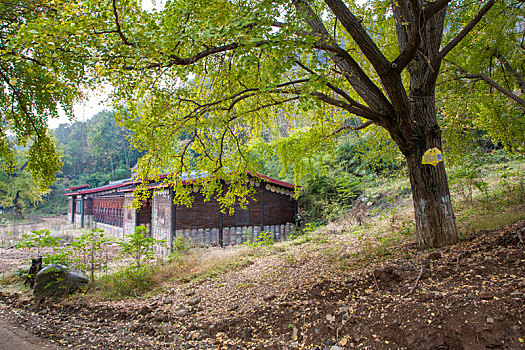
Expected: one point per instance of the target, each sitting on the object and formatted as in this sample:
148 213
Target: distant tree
95 151
18 190
108 143
75 152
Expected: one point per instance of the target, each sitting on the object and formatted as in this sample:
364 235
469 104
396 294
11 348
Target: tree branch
408 53
463 33
434 8
488 80
496 86
390 78
352 72
511 70
343 94
353 26
179 61
349 127
346 106
117 22
358 71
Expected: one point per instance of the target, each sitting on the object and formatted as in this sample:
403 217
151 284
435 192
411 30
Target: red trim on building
163 176
103 188
77 187
275 181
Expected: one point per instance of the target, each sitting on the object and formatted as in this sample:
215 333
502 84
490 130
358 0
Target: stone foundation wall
234 235
110 230
129 215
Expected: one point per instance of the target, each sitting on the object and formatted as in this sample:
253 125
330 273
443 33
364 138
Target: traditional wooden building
273 209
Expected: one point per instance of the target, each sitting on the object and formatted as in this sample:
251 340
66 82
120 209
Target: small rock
490 320
470 296
342 310
160 317
196 335
270 297
194 301
246 333
426 296
168 301
330 318
335 347
182 311
295 333
190 293
144 310
485 295
434 255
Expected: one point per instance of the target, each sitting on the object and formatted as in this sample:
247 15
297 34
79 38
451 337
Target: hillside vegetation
355 282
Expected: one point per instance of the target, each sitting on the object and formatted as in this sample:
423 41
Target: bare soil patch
12 338
467 296
58 225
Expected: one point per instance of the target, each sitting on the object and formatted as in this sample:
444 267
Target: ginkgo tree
202 82
18 190
35 85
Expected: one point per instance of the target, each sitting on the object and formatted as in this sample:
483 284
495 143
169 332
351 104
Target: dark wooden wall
201 214
144 215
279 209
108 210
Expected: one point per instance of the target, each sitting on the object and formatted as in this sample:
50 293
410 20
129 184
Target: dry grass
200 264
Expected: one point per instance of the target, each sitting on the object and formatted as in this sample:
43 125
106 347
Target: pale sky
97 101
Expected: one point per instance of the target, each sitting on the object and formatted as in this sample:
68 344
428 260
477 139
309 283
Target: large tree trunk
435 220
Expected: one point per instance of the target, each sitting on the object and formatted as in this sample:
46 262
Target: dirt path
12 338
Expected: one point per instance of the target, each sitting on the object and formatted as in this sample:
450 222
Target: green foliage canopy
482 86
35 85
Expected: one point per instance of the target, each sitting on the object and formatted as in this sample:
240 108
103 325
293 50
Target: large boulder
57 280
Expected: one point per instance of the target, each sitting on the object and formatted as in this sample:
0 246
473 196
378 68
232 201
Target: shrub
466 178
37 239
89 249
138 246
180 246
128 282
265 238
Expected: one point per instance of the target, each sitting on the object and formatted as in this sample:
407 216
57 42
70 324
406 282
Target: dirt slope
468 296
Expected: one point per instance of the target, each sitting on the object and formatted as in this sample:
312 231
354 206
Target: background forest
93 152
